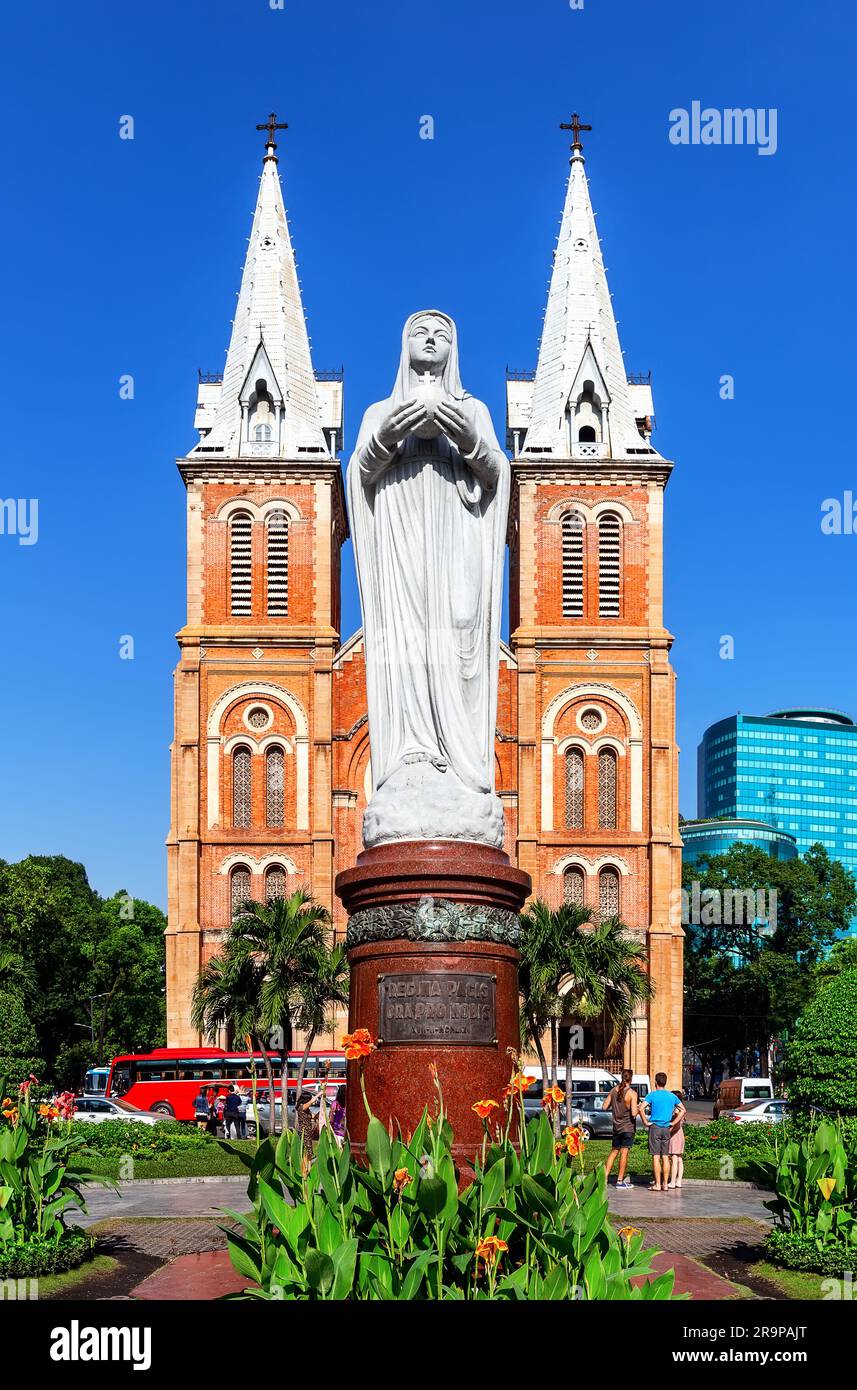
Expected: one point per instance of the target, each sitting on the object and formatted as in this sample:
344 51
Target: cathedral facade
271 770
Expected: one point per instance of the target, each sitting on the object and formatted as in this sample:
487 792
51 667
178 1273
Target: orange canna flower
401 1178
483 1108
358 1044
826 1185
553 1096
573 1136
518 1085
433 1069
628 1232
490 1248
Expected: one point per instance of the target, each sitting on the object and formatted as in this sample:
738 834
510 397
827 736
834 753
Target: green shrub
38 1179
34 1257
820 1063
532 1224
795 1251
14 1070
115 1137
815 1180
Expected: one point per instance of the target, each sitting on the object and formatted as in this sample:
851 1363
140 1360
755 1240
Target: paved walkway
729 1201
183 1198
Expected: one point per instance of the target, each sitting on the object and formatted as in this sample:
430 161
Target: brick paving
684 1236
167 1238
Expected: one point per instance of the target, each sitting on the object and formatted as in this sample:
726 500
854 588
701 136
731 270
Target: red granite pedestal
434 978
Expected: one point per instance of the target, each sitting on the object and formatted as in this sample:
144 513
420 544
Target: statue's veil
451 379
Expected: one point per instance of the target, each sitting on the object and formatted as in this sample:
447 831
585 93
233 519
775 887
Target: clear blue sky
125 256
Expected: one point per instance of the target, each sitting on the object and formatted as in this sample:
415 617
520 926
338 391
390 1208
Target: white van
584 1080
736 1090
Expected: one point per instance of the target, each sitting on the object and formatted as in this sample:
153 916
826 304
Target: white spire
579 323
269 336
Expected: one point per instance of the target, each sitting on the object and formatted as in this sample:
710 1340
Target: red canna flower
483 1108
358 1044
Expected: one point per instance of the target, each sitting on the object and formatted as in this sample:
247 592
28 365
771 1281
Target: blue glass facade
706 837
796 770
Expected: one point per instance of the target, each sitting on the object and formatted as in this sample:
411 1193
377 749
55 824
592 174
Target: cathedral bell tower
597 757
251 758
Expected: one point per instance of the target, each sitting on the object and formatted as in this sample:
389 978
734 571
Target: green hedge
118 1137
795 1251
820 1063
18 1069
726 1137
31 1258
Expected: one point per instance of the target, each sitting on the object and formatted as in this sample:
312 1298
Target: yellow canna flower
827 1185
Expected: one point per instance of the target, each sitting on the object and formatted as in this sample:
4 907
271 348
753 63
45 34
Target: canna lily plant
531 1224
38 1180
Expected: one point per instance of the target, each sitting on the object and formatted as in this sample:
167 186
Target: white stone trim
573 741
594 690
601 714
258 690
608 741
592 867
258 511
260 704
258 866
591 512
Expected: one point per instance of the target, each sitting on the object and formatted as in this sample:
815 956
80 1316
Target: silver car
94 1110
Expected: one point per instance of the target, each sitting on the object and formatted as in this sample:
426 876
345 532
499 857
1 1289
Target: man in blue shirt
662 1112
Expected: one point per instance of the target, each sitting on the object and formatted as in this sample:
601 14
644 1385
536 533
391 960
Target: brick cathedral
270 761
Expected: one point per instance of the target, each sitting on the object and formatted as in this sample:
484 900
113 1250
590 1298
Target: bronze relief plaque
437 1006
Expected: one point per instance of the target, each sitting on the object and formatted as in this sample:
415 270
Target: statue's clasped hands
414 412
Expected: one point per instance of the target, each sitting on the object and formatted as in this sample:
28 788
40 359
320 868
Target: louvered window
242 792
241 565
607 789
573 886
278 564
608 893
572 565
275 883
239 888
609 565
274 786
574 789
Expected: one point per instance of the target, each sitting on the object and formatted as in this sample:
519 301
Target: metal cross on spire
272 125
576 126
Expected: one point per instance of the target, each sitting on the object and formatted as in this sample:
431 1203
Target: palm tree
320 992
269 972
570 968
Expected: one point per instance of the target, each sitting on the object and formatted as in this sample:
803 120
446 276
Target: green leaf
536 1199
555 1285
378 1149
320 1271
245 1257
494 1183
415 1275
431 1197
344 1265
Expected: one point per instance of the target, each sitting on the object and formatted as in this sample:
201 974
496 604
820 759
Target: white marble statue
428 491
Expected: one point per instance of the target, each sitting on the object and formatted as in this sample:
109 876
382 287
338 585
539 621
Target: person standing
623 1103
306 1123
676 1149
661 1109
337 1116
232 1114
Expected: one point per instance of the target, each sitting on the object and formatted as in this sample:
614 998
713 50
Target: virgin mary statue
428 492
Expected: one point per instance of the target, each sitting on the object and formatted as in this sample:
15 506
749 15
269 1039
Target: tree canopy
87 971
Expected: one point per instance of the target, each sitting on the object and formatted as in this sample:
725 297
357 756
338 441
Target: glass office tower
795 769
706 837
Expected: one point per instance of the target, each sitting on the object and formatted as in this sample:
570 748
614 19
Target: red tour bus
168 1079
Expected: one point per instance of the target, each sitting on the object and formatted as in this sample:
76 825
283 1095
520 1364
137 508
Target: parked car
737 1090
94 1110
769 1112
264 1109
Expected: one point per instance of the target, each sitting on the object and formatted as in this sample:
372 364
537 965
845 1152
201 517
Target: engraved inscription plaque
447 1006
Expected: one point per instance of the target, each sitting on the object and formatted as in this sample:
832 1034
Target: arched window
274 786
574 789
239 887
586 434
263 433
609 565
275 883
278 563
572 565
607 789
242 787
608 893
240 565
573 885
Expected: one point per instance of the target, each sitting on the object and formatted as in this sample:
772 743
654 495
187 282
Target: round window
258 718
591 719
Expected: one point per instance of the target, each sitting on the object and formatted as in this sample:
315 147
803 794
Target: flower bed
113 1138
29 1259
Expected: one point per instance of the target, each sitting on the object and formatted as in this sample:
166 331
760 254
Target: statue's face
429 342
